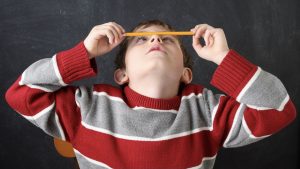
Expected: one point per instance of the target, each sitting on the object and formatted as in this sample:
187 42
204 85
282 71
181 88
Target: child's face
166 56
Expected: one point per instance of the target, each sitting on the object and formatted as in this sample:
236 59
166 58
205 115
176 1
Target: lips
156 48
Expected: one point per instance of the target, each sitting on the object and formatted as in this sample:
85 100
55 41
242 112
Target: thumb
116 43
196 43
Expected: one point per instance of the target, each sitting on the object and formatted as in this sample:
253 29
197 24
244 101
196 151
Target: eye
168 39
141 39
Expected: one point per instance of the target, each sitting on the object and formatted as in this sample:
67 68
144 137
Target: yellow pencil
157 33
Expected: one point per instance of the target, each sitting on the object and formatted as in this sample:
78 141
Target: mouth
156 48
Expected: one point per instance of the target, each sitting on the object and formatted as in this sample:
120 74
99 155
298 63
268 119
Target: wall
266 32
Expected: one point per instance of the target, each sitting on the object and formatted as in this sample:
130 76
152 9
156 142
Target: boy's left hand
215 48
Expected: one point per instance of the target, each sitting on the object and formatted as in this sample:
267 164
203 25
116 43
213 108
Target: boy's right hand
103 38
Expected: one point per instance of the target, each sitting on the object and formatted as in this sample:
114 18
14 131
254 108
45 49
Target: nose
155 38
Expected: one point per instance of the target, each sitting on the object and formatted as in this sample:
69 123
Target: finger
196 43
196 38
213 31
202 25
98 33
194 29
114 31
118 28
109 34
120 32
211 40
101 30
201 30
217 33
207 34
205 26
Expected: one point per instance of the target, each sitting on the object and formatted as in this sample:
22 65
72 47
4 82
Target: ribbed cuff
233 73
74 64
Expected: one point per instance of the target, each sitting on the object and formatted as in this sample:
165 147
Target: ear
187 76
121 77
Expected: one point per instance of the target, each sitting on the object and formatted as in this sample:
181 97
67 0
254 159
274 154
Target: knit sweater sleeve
257 104
42 93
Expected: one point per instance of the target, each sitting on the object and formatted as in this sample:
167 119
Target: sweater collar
135 99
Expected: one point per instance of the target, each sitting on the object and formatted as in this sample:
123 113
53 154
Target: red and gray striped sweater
113 128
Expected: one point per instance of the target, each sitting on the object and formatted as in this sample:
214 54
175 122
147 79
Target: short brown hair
120 58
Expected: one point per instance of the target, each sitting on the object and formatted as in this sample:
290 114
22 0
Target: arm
257 104
42 93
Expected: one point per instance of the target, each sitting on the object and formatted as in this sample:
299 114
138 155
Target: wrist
220 57
87 49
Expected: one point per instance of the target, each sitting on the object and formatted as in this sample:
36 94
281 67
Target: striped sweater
119 128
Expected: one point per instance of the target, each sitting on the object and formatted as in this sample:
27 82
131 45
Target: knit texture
114 128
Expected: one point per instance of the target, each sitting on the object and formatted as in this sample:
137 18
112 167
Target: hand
215 48
103 38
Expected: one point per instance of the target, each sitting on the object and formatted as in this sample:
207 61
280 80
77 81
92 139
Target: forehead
151 28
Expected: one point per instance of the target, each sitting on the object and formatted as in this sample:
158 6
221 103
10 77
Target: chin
157 67
158 61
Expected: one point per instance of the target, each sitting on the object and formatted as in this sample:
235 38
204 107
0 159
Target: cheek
132 60
135 53
178 56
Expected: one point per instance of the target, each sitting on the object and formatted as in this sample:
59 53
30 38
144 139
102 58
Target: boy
157 119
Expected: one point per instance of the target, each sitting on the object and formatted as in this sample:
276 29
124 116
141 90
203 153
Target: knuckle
111 23
111 27
220 30
109 31
94 28
97 27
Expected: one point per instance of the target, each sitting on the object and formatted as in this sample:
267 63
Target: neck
155 87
